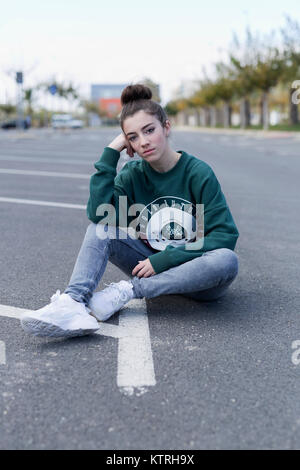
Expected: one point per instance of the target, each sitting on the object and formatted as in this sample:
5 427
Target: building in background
108 99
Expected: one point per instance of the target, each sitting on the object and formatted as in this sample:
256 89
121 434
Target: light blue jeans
205 278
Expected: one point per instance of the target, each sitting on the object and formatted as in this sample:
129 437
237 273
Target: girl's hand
143 269
120 143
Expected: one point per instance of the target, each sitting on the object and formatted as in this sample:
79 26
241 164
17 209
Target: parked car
12 124
60 121
65 121
76 124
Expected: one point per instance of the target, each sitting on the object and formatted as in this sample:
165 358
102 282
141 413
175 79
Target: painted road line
42 203
9 171
2 353
54 150
11 312
135 362
55 161
107 329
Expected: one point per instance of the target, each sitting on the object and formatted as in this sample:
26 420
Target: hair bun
135 93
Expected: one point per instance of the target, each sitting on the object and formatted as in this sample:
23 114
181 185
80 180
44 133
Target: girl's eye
148 130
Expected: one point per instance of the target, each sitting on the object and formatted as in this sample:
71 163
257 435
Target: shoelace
56 296
122 294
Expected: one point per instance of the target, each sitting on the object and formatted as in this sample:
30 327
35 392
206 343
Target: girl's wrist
114 147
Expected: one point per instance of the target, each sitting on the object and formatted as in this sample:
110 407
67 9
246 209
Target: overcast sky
122 41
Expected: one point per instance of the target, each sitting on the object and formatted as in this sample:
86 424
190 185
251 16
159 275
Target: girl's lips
148 151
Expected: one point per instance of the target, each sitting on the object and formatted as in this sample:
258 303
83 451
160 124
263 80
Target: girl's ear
167 127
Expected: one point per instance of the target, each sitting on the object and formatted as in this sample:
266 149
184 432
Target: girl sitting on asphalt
179 234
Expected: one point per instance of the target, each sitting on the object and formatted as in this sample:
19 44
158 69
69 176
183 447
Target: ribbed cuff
160 261
109 157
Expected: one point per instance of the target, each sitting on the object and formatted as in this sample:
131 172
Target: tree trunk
45 119
213 116
202 117
197 117
293 109
186 118
245 114
261 116
207 116
265 110
227 115
219 116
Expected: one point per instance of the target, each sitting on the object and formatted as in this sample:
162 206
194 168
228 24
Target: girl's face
146 135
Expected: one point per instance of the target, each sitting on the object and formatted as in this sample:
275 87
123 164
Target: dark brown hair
136 98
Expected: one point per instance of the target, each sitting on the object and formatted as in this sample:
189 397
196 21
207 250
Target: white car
75 124
65 121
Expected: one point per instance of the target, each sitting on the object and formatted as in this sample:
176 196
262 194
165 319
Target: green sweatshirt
190 182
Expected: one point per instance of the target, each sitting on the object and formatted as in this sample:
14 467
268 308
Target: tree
240 71
291 57
209 95
154 87
197 102
225 89
171 108
261 68
92 107
28 98
7 109
67 92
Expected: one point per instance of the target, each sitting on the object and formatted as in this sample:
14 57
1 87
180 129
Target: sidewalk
244 132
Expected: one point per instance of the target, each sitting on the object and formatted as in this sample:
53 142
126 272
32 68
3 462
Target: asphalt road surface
167 373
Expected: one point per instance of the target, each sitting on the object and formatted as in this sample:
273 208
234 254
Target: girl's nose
144 141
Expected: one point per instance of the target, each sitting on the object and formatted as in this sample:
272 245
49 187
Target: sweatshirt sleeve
105 187
220 230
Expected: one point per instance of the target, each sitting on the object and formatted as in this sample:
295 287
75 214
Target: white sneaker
63 317
108 301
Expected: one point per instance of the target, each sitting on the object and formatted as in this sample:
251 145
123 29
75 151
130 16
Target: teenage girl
163 220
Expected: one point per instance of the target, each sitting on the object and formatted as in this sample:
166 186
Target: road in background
224 373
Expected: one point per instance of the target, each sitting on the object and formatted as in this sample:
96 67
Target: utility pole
19 81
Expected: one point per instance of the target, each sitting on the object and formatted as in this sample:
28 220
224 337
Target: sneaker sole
40 328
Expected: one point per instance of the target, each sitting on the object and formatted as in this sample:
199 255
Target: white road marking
53 150
11 312
107 329
135 362
55 161
2 353
11 171
42 203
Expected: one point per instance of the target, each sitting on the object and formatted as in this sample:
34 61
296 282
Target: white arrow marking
135 362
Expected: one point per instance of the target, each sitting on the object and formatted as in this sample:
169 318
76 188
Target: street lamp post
19 81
